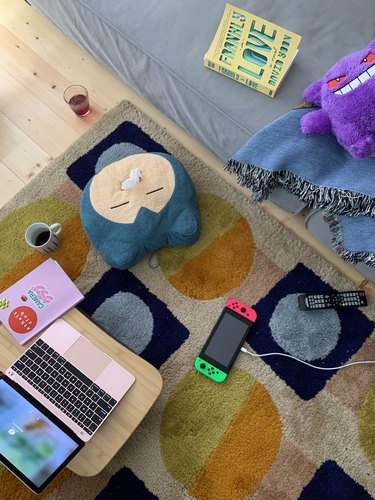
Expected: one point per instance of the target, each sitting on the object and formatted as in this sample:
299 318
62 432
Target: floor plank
18 153
75 64
10 184
31 115
41 79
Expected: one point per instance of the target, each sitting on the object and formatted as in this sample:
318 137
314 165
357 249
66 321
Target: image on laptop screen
32 445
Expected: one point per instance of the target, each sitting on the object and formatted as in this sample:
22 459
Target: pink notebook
36 300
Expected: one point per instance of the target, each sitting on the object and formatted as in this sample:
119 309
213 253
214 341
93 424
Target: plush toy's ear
312 93
371 45
119 254
185 229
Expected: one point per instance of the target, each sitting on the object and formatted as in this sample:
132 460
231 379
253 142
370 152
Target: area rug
275 429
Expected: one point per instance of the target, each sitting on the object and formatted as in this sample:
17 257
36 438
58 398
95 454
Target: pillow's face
112 201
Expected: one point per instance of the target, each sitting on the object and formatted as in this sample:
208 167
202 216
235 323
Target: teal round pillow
139 204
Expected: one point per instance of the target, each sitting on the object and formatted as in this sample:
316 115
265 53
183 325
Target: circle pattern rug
275 429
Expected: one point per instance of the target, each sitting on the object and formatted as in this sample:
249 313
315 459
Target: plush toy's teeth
357 81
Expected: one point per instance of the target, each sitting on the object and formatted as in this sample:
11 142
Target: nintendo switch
226 338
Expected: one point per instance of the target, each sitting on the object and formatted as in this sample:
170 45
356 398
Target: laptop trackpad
87 357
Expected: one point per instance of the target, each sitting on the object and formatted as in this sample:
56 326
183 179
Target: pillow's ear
312 93
119 254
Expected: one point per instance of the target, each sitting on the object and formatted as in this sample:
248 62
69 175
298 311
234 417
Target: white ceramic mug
43 237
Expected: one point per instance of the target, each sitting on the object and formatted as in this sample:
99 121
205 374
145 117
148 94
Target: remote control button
243 309
202 365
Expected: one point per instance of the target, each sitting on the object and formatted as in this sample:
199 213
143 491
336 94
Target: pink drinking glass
78 99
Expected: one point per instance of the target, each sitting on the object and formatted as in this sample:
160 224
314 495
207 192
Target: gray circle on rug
127 319
308 335
116 153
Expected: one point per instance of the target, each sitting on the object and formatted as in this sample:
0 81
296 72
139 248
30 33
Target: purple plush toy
346 97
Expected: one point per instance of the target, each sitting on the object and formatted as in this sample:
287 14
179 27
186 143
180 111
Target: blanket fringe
338 243
263 182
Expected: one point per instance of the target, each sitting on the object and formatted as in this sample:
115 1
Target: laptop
53 399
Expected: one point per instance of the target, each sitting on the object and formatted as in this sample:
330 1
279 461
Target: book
252 50
36 300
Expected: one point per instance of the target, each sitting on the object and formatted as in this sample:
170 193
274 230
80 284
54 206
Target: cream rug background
274 429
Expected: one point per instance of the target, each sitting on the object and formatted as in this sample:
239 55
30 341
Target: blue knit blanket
321 173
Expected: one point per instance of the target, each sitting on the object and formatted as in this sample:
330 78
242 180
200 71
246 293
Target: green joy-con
209 370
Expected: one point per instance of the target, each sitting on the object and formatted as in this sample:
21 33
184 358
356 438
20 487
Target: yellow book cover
252 50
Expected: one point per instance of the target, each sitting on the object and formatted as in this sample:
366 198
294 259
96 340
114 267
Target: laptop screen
34 445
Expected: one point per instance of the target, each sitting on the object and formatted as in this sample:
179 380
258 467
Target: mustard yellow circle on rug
14 225
366 425
21 259
220 260
11 488
219 440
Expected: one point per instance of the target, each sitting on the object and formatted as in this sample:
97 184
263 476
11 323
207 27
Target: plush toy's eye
369 58
332 84
120 205
154 191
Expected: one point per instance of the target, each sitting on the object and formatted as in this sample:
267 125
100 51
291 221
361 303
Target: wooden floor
37 62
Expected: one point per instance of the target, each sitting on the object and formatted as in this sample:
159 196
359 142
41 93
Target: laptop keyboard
66 387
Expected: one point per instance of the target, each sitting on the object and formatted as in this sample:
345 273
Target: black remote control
310 302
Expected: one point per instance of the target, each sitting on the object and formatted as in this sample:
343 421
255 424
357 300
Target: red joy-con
241 309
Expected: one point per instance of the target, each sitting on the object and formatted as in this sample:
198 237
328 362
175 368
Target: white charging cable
243 349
